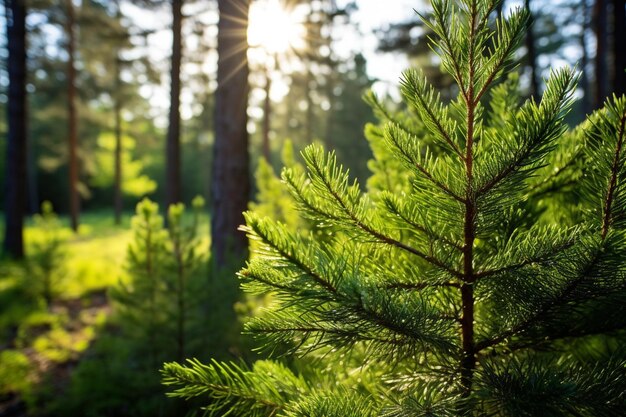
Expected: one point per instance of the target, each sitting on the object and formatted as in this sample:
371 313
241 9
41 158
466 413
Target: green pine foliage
160 305
160 310
48 254
272 199
481 274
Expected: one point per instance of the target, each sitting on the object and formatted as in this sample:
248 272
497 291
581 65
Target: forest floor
40 346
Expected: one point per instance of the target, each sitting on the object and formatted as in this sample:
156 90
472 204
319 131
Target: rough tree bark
231 180
15 187
72 118
601 67
173 176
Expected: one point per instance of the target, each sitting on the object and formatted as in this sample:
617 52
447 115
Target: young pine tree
45 264
159 306
482 274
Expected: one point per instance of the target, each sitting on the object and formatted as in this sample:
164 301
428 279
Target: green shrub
45 263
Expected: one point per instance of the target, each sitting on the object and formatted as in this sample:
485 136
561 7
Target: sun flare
274 28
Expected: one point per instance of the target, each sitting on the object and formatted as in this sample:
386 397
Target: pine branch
615 168
538 246
390 328
538 127
407 146
339 402
554 301
532 386
379 107
509 36
286 245
234 389
394 206
427 102
445 23
332 182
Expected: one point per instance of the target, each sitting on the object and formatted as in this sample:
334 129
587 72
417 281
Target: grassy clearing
39 341
35 338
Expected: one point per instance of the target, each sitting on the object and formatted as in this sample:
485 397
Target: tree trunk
584 61
117 186
16 138
72 119
173 177
619 42
267 109
117 110
601 67
532 54
309 104
231 181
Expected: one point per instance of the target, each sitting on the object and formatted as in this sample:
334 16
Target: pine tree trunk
267 110
584 61
468 360
230 182
601 67
619 43
118 152
309 104
330 78
15 196
173 177
117 109
72 119
532 53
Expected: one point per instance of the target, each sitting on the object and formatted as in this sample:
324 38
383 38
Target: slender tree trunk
72 119
173 177
17 143
584 61
601 67
231 181
117 110
118 147
619 43
330 78
267 111
468 360
532 54
309 105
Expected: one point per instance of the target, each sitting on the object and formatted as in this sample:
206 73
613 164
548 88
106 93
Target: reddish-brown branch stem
468 361
606 220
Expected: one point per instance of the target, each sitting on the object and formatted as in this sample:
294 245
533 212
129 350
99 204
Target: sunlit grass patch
15 368
94 264
60 345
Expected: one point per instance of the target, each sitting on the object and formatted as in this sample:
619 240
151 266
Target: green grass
93 260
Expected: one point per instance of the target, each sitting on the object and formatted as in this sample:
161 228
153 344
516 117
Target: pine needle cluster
483 273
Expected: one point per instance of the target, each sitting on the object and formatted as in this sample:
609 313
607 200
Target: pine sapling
483 273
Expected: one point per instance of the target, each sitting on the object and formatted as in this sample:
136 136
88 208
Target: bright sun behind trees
275 28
